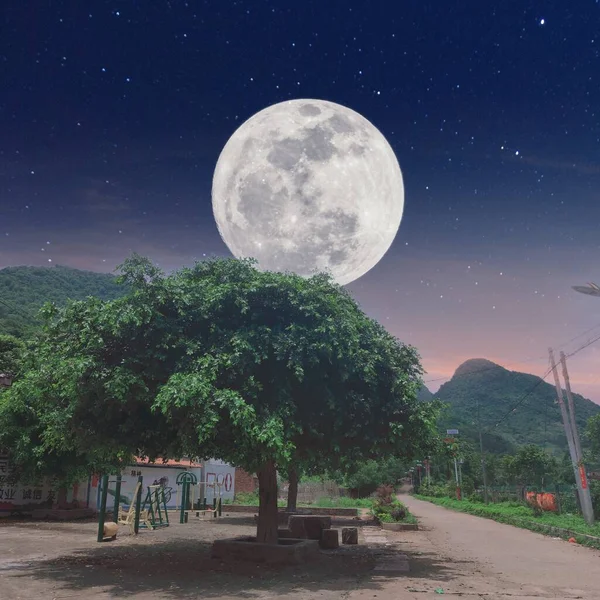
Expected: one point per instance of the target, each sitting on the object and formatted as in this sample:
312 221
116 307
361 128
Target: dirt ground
63 560
456 554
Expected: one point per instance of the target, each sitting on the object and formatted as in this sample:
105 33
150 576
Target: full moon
308 186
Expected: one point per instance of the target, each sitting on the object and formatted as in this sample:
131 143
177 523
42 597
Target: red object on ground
572 540
545 500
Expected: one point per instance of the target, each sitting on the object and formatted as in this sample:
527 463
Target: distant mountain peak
519 408
473 365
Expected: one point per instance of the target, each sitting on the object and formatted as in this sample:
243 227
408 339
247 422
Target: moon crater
307 186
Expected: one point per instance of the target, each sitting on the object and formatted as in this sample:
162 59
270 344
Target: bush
432 490
370 474
391 512
467 486
384 495
595 493
399 513
476 497
247 498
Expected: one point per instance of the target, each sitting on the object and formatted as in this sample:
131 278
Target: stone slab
288 551
308 526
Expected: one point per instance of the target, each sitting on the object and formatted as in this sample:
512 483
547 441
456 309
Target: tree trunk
266 531
292 498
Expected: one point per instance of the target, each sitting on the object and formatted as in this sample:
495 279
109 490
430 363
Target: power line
578 336
521 400
538 383
586 345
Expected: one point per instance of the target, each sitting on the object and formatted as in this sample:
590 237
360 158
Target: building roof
182 464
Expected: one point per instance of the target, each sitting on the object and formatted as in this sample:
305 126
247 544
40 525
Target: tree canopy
11 353
592 436
218 360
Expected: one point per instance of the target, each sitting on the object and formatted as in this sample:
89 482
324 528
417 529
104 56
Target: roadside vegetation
387 508
251 499
522 515
529 488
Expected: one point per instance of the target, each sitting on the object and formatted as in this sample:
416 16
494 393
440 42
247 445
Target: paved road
479 558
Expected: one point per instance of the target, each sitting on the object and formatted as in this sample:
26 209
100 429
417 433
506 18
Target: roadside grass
520 515
342 502
387 518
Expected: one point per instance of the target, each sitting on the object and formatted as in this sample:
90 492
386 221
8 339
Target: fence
562 498
565 497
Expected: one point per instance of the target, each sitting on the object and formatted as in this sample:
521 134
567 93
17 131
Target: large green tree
593 436
531 465
219 360
11 354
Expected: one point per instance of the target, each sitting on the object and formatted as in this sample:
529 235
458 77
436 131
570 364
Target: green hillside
534 420
424 395
23 290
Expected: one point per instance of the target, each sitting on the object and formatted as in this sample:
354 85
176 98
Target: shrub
393 512
432 490
399 513
384 494
247 498
476 496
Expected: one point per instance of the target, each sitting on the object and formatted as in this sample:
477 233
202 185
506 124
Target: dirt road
461 555
479 558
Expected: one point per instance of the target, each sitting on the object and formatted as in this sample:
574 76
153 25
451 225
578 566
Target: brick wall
245 483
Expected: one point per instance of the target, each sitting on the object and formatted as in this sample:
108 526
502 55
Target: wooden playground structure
193 496
150 514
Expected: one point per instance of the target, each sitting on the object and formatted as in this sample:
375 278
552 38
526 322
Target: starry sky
113 115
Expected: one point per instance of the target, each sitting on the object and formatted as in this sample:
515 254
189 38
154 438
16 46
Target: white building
215 479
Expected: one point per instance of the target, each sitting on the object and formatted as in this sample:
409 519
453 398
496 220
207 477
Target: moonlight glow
307 186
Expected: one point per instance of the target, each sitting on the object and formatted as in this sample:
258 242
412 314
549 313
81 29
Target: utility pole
458 490
483 472
563 362
580 464
576 460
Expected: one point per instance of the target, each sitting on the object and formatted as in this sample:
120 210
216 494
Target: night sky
113 115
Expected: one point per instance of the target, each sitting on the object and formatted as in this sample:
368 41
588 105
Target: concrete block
308 526
350 535
284 533
330 539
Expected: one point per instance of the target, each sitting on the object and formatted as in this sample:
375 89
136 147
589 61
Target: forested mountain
514 408
424 395
23 290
